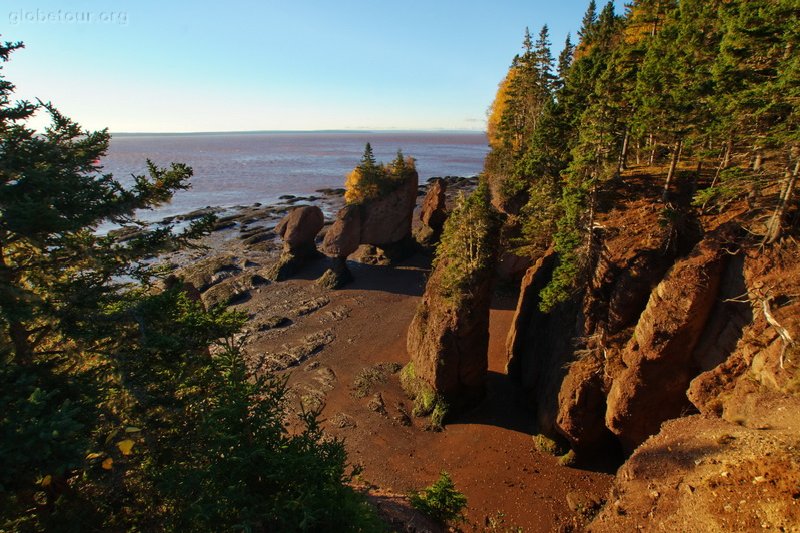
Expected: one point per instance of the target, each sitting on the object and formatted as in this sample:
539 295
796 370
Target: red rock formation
705 474
341 240
539 345
344 236
582 405
384 222
658 359
387 220
299 228
432 213
448 340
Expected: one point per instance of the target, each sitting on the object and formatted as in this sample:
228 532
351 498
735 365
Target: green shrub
568 459
439 412
441 501
546 445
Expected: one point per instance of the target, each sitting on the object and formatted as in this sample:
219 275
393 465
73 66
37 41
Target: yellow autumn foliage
498 108
359 187
366 184
125 446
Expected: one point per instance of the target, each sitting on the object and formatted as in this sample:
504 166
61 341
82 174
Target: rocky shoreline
250 229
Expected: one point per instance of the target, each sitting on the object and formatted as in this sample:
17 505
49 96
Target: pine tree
368 161
564 62
543 63
527 41
588 23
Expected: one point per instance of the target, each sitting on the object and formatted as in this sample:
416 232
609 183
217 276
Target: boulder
209 271
232 291
299 228
186 287
344 236
658 359
337 276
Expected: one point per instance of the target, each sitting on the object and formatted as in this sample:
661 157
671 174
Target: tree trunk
753 188
638 150
623 156
590 240
652 151
726 159
774 228
676 154
758 161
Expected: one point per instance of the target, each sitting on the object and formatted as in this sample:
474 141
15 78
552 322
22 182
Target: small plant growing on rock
441 501
426 401
568 459
546 445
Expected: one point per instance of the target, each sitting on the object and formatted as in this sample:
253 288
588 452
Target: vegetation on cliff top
370 179
468 245
712 83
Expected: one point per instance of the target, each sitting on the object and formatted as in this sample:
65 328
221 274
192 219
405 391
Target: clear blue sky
293 65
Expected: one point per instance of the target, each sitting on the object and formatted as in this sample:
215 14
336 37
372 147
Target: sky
166 66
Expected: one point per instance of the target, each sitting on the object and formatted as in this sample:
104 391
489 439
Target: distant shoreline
292 132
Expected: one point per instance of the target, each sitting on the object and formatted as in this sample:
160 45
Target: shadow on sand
499 408
407 277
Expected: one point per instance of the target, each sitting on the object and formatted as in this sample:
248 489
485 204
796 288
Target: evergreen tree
527 41
588 23
368 161
543 64
564 62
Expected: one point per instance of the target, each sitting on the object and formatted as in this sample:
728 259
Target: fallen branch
782 331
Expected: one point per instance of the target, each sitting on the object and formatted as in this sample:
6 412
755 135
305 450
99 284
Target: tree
368 158
588 23
441 501
564 62
516 113
468 245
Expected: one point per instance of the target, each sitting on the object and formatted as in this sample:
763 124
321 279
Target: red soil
488 451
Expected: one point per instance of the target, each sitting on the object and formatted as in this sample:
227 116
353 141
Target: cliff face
676 320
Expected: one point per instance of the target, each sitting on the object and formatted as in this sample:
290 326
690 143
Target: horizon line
220 132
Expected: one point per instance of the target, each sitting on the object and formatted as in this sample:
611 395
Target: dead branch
782 331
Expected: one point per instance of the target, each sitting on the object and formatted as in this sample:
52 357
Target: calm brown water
243 168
